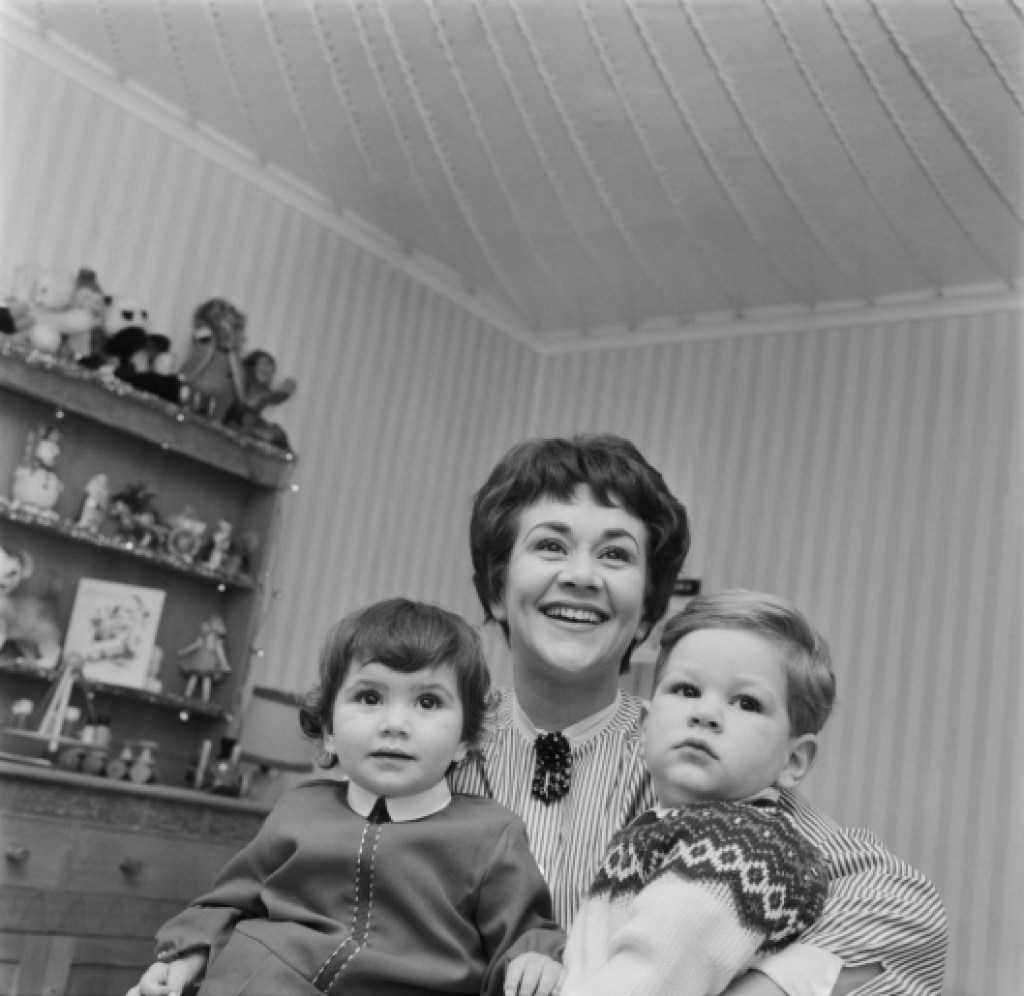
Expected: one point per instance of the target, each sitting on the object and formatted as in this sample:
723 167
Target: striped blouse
879 910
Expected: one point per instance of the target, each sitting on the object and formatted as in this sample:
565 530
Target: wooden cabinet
186 461
91 868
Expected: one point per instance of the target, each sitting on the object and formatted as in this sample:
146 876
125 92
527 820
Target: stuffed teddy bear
48 307
260 391
26 620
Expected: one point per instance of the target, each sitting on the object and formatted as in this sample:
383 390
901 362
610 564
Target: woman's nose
579 571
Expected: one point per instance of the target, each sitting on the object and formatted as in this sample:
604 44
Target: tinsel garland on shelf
67 368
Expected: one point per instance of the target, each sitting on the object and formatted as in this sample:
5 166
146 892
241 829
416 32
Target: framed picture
113 629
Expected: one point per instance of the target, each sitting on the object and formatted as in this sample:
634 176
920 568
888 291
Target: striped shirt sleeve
880 910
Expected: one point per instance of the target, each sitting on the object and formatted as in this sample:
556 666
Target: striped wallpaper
873 473
874 476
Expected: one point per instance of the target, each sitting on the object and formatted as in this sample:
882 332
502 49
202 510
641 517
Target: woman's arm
881 912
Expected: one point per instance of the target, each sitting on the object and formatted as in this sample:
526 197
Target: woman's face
574 591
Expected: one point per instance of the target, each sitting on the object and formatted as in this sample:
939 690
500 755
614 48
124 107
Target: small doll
94 504
209 662
259 392
36 485
220 546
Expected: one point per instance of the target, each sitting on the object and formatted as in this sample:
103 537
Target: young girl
387 884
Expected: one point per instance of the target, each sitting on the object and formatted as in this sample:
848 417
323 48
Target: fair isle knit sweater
684 902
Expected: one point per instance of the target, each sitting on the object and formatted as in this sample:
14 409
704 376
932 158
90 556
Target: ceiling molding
959 301
62 57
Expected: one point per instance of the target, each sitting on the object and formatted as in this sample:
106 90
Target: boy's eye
686 689
429 702
749 704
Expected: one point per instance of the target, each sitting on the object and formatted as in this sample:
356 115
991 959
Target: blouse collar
576 734
402 808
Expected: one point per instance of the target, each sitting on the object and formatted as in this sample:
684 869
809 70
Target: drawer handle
17 854
130 867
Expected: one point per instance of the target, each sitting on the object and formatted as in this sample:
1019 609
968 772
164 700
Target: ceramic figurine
220 545
138 522
36 484
209 662
186 535
94 504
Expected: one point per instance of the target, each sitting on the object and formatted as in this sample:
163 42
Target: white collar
402 808
576 734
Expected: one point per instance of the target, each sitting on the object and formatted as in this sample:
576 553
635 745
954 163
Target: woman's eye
548 545
429 702
749 704
618 553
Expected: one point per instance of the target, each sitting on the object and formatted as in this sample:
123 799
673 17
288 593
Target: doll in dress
208 662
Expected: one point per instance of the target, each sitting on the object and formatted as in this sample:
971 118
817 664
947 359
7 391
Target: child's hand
169 978
533 974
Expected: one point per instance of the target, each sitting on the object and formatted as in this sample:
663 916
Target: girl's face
395 734
574 590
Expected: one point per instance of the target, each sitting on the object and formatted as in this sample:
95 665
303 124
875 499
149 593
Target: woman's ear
460 753
802 753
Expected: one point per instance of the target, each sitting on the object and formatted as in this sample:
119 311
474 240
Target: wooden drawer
138 865
35 851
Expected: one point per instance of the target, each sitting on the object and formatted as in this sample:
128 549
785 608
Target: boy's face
718 725
395 734
574 588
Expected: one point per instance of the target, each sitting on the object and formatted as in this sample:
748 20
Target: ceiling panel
614 165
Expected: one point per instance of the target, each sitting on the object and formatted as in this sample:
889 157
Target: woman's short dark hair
617 475
408 637
805 656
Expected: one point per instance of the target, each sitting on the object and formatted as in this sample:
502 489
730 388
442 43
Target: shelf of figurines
116 404
185 707
25 515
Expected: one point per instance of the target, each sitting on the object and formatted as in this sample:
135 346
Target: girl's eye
367 697
749 704
429 702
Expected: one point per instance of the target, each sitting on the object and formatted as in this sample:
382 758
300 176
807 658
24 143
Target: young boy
692 891
387 884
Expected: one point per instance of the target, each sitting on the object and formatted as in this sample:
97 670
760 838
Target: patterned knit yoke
775 879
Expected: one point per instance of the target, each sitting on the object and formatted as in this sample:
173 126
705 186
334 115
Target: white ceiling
604 165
